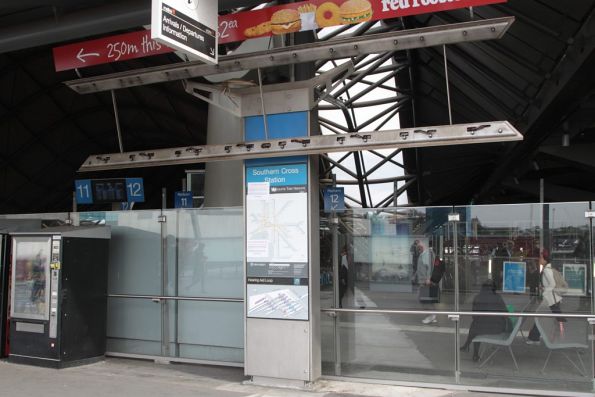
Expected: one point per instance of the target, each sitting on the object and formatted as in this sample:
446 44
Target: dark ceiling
539 77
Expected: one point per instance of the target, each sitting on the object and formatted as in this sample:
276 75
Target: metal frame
336 49
498 131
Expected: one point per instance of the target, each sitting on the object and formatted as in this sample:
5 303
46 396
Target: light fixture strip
487 29
498 131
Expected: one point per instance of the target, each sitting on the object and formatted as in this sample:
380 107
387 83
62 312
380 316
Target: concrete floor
135 378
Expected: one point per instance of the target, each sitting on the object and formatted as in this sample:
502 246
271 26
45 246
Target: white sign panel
187 25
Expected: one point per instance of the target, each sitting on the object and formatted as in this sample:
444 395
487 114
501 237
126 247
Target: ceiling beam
488 29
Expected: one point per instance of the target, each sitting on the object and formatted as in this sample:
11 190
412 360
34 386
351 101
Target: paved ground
133 378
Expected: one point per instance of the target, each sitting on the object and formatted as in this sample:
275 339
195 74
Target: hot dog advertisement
317 14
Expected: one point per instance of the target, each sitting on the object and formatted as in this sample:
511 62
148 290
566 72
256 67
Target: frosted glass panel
134 326
135 251
210 253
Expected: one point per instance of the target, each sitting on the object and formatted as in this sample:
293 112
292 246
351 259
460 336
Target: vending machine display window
30 279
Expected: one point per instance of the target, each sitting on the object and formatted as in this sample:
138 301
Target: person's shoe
430 319
475 358
464 348
532 342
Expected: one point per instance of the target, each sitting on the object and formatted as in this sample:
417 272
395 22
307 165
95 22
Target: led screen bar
497 131
486 29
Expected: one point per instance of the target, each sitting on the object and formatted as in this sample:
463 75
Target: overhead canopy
539 77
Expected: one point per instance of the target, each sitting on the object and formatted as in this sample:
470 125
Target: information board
575 275
183 200
104 191
515 276
277 241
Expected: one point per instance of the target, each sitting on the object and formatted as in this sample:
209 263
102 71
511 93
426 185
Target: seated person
486 301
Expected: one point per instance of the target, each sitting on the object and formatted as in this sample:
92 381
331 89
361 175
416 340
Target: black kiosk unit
59 296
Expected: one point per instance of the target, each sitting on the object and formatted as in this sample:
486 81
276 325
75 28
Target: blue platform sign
334 199
83 191
183 200
515 275
135 190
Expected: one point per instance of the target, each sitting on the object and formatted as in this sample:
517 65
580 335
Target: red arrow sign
110 49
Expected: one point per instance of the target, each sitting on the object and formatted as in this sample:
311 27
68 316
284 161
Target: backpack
437 270
561 285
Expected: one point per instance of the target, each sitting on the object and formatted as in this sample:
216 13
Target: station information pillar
282 328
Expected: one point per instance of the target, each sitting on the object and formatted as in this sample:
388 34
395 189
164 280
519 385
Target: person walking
551 296
425 266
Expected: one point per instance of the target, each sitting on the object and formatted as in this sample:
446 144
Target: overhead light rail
497 131
487 29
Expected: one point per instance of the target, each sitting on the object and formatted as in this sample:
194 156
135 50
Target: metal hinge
161 219
454 217
454 317
589 214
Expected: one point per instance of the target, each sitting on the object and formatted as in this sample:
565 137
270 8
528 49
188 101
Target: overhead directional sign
105 50
334 199
102 191
187 25
183 200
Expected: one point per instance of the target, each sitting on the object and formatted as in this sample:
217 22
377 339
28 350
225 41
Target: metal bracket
193 89
162 219
589 214
454 317
332 314
591 320
454 217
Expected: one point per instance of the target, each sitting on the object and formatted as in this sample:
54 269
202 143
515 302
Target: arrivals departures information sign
189 26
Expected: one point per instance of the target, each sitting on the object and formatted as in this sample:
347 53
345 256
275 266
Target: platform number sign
334 199
183 200
135 190
84 194
102 191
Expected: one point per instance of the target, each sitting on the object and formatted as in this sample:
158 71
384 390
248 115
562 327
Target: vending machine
4 266
7 226
58 297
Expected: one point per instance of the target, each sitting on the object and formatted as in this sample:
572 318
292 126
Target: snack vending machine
59 296
4 268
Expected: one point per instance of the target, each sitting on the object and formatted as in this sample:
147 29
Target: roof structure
539 77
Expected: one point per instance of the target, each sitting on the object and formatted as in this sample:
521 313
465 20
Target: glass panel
135 250
30 273
391 347
502 269
134 326
211 331
210 253
561 361
387 259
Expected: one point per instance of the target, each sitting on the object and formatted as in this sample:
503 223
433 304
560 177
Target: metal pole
447 85
337 303
117 121
457 322
264 113
541 201
164 279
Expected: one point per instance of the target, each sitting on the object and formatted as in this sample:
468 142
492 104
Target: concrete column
223 179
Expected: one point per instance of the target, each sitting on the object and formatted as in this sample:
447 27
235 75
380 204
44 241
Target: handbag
429 293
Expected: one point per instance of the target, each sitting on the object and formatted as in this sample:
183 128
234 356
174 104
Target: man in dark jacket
486 301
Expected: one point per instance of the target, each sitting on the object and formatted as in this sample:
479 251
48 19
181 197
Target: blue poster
515 274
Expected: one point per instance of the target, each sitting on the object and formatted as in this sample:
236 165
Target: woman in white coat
551 298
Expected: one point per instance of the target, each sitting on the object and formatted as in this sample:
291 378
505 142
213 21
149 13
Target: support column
223 179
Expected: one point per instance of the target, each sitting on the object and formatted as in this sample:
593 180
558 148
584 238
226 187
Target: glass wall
490 296
175 283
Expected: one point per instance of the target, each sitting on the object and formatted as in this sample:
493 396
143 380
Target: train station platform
134 378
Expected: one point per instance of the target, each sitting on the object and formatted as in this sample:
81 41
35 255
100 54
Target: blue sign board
88 191
183 200
334 199
83 191
285 178
515 275
135 190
